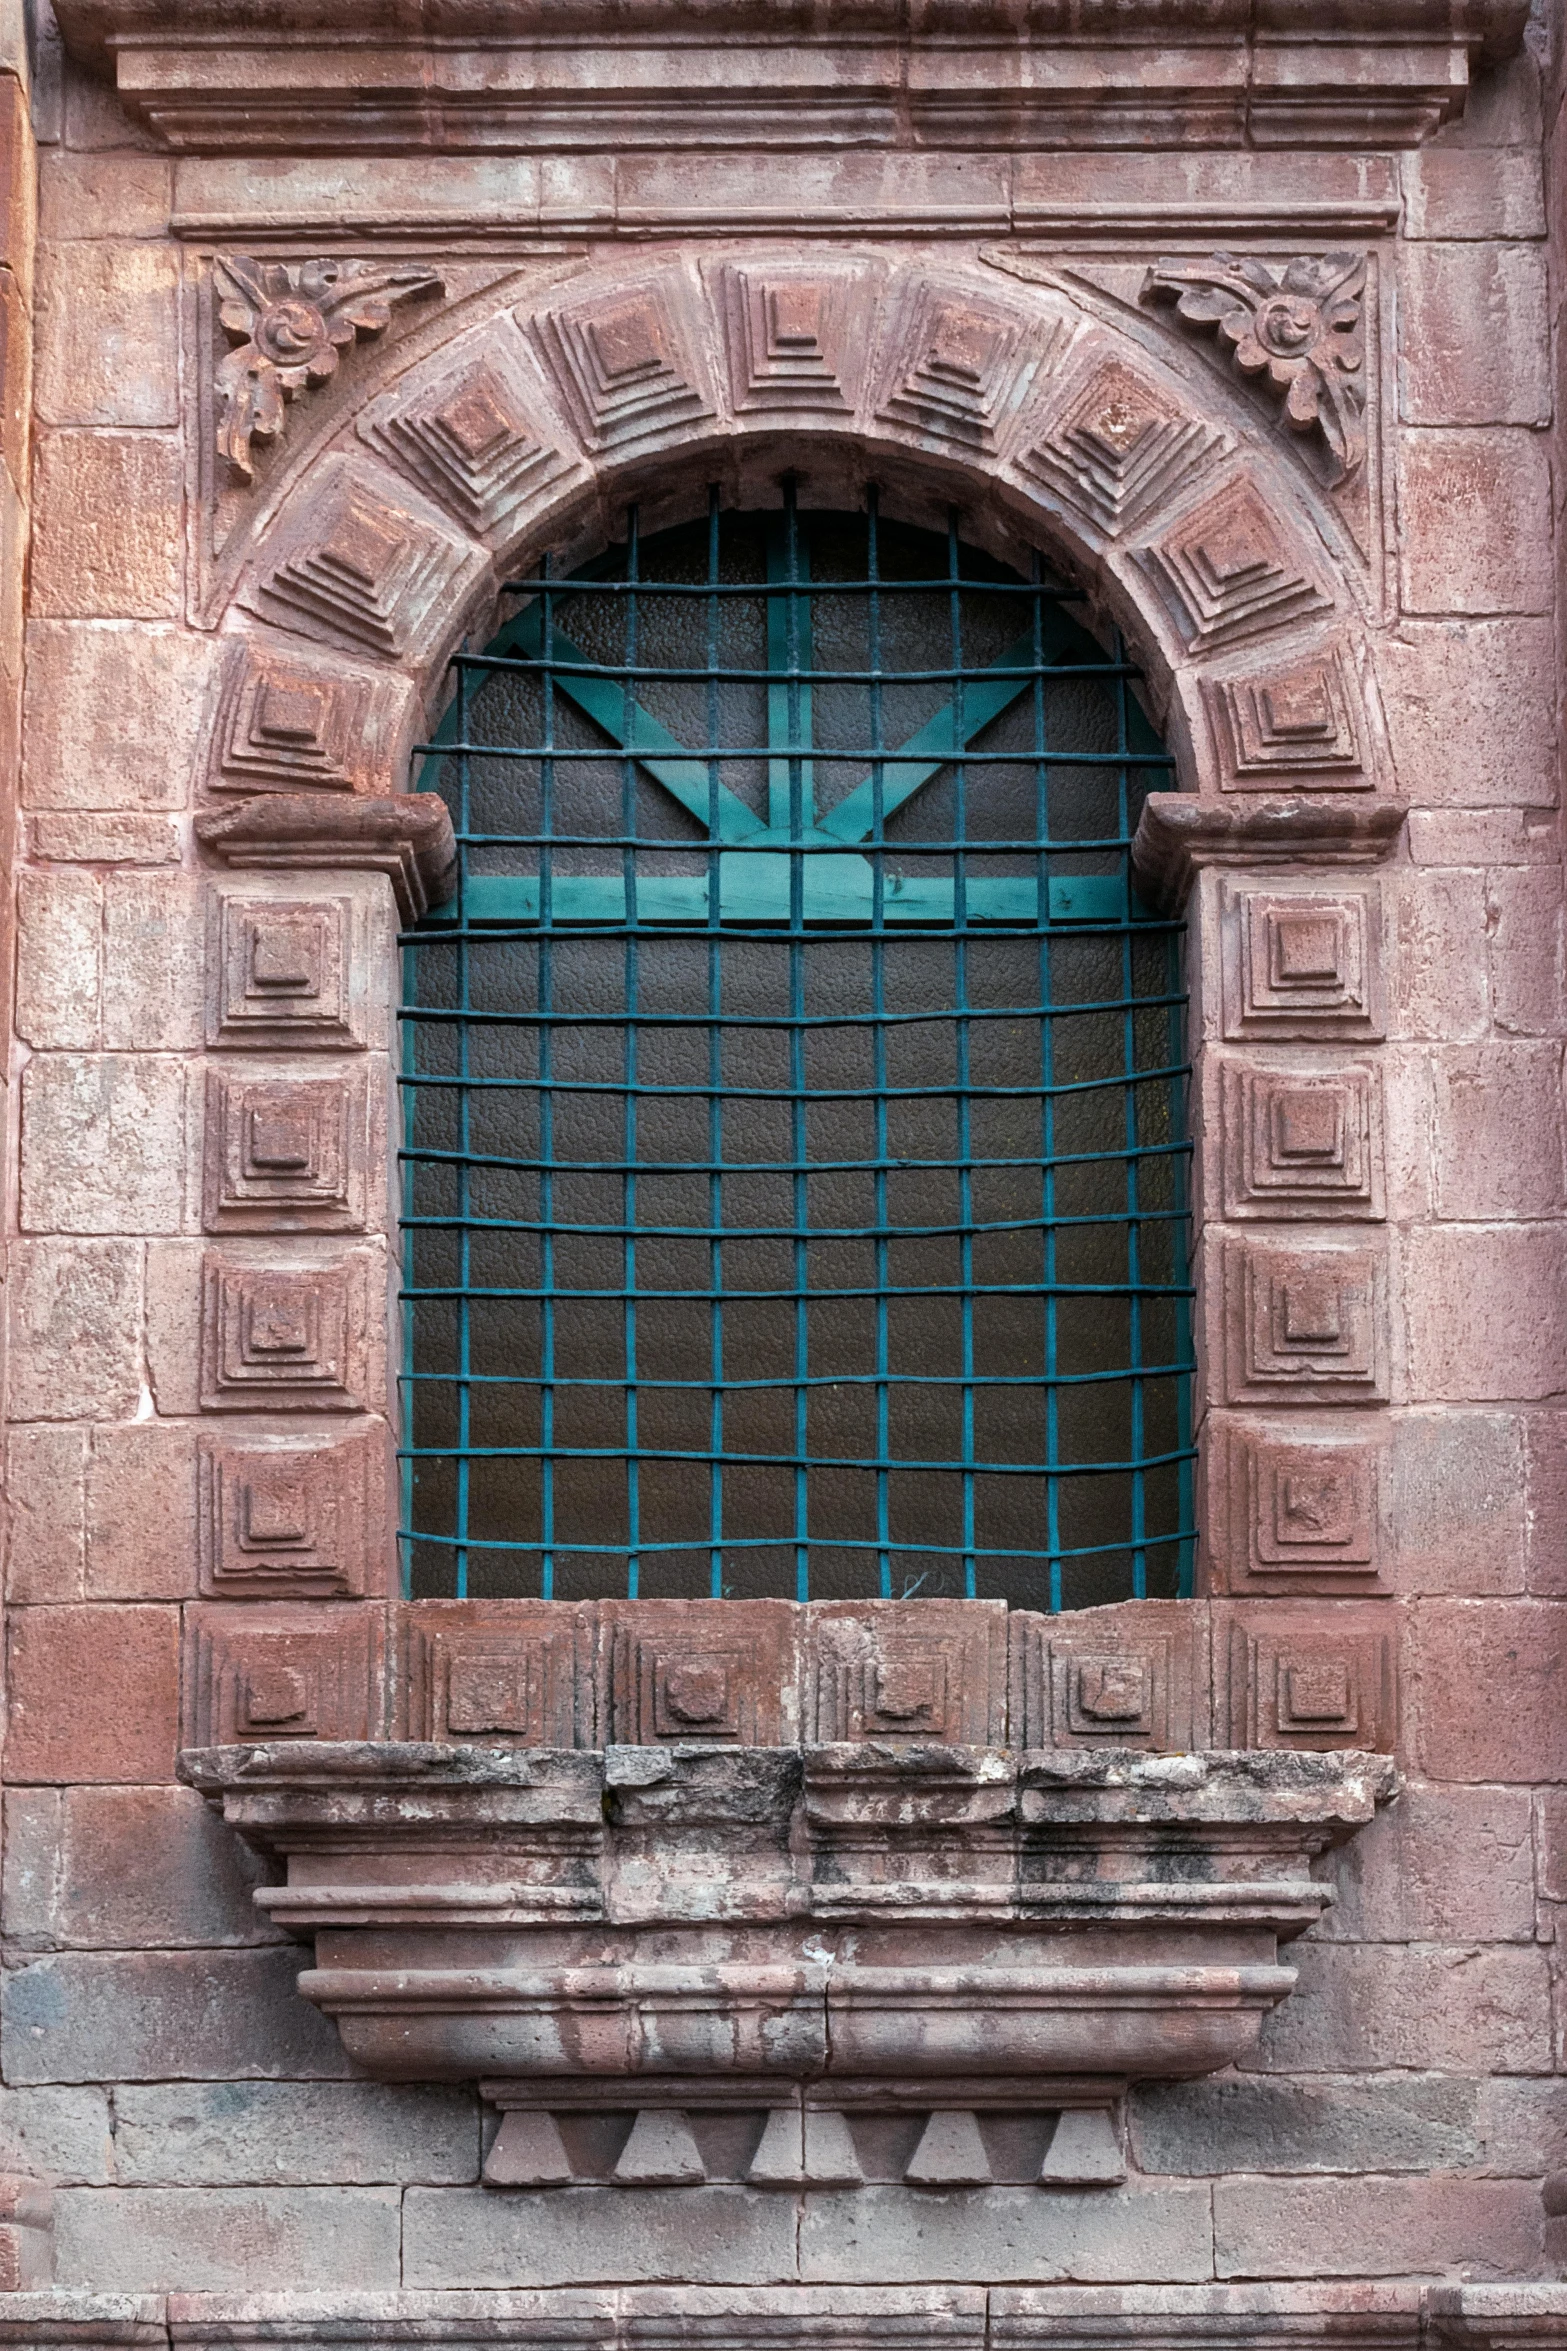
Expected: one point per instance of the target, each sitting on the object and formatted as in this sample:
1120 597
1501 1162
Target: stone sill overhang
751 1921
541 76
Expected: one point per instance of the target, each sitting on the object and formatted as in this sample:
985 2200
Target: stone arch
533 428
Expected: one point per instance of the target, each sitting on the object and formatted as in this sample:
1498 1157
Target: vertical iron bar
879 1045
715 1072
546 978
799 1122
464 1189
1047 1124
961 1010
629 1065
1129 1100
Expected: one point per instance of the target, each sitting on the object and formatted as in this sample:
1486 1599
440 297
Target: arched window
793 1095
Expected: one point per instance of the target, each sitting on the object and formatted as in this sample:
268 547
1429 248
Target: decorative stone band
407 836
1356 2314
875 1919
1224 73
1178 834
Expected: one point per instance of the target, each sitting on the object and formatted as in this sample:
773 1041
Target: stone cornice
1179 834
518 76
407 836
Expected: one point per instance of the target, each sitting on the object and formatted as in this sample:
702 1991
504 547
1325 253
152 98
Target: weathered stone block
1527 936
137 2240
148 1868
1023 2233
1454 1524
1473 192
103 1143
75 1330
1469 710
1523 2126
1480 1307
141 1513
1545 1518
107 334
1490 1690
107 839
1384 2123
59 2134
1474 348
94 1694
198 2015
95 683
45 1489
1381 2228
1436 977
1476 509
1498 1131
1365 2006
1442 1865
198 2135
107 511
474 2237
152 962
59 947
124 195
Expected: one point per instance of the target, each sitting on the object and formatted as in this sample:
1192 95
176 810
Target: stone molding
1178 836
1163 72
977 1920
408 837
1359 2314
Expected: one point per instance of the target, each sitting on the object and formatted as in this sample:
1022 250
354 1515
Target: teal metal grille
793 1141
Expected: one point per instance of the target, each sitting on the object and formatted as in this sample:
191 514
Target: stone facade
1250 317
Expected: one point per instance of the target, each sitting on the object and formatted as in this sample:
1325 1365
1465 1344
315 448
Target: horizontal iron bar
794 1542
1010 670
489 1292
614 754
503 1164
871 1462
698 1092
767 1021
723 1385
546 591
563 1230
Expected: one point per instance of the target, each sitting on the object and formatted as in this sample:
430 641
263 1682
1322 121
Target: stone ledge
1381 2314
407 836
362 74
1178 835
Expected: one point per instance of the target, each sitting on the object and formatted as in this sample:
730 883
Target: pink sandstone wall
199 2121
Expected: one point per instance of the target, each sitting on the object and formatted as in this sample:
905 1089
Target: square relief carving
472 442
1294 1507
723 1671
285 1521
1301 1143
280 973
1304 1323
283 1338
286 723
919 1669
1103 1683
1321 1685
305 1673
1303 964
631 366
285 1154
1228 572
511 1673
797 337
1289 729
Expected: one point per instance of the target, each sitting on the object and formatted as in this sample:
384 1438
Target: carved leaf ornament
1301 326
290 320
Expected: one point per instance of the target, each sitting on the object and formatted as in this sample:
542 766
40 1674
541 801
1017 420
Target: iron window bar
773 841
